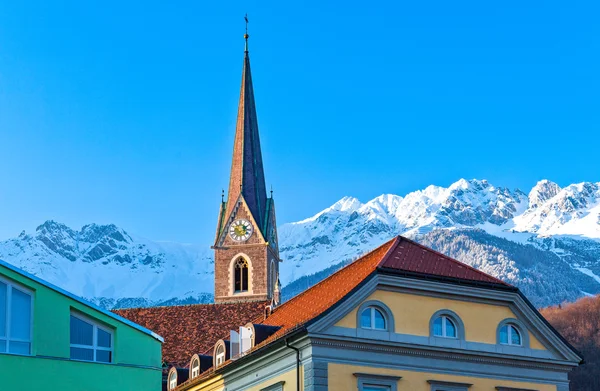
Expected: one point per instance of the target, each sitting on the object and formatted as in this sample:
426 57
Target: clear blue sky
124 112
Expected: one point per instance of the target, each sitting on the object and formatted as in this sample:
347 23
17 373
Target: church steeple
246 250
247 173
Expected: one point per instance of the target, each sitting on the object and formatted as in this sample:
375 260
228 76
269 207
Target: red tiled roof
192 329
413 257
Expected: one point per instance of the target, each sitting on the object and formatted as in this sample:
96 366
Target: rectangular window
16 314
437 385
368 387
274 387
90 341
375 382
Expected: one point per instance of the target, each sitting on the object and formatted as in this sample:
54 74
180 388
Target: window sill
91 362
17 354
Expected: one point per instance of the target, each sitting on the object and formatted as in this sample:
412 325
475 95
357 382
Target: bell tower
246 248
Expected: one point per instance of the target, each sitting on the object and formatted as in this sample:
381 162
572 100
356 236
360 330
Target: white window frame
372 326
173 381
446 318
96 325
509 328
195 369
220 359
10 285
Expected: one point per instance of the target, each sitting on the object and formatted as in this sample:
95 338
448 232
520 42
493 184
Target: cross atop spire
246 36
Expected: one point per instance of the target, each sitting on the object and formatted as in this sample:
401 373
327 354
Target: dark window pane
238 279
3 307
245 278
450 329
103 356
82 354
515 338
82 333
504 334
379 320
103 339
2 346
365 318
19 347
437 327
375 388
20 317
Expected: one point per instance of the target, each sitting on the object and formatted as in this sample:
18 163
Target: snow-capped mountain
562 224
546 242
107 265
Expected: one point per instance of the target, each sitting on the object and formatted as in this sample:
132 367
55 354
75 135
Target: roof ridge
397 240
182 305
325 280
456 261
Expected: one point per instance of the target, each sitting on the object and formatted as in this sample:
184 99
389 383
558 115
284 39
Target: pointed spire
247 174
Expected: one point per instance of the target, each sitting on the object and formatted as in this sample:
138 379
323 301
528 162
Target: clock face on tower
240 230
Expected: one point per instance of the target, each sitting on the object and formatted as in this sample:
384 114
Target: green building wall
136 354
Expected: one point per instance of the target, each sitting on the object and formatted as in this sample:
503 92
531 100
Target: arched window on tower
241 275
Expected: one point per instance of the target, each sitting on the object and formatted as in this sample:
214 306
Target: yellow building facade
380 324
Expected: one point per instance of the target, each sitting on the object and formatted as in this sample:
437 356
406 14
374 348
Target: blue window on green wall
90 341
16 315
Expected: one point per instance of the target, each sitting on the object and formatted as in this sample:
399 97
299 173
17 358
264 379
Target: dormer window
195 368
219 355
173 380
175 377
241 275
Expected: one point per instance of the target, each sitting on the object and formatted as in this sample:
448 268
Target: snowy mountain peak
472 184
542 192
346 204
385 203
573 210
